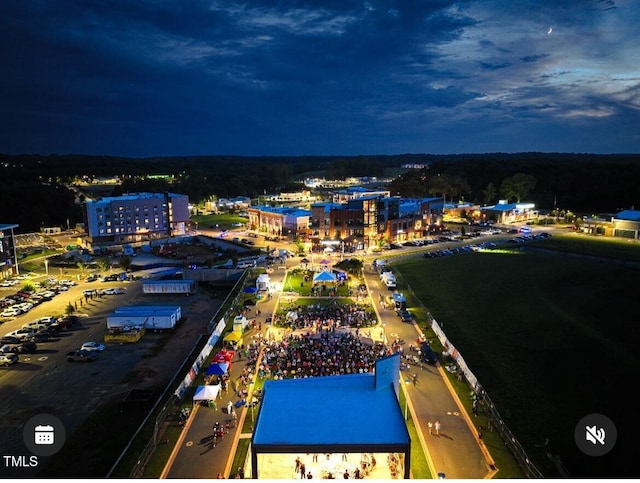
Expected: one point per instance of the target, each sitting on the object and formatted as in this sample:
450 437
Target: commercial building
505 212
624 224
135 218
279 221
369 221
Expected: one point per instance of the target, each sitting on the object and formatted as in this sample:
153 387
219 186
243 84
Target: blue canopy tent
217 369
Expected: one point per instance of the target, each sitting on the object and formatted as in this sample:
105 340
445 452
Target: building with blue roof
505 212
626 224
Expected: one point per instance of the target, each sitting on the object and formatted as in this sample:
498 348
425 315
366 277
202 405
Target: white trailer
240 323
169 286
262 282
154 317
149 309
155 321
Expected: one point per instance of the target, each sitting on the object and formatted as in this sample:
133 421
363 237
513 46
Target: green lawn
550 337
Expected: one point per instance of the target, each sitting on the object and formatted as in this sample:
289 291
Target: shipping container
153 317
149 309
169 286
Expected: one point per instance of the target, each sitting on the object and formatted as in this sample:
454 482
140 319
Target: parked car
92 346
25 347
11 311
21 334
24 306
41 336
405 315
36 324
428 355
83 356
9 339
8 359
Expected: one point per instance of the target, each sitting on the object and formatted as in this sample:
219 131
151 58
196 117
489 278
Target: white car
92 346
11 312
21 333
36 325
24 306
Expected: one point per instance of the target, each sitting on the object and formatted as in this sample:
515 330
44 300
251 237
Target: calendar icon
44 435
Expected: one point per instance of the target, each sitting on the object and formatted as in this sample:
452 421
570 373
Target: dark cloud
150 77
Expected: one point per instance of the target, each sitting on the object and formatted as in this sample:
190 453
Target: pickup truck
80 355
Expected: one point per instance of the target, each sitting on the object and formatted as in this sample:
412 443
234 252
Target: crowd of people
328 466
325 317
309 355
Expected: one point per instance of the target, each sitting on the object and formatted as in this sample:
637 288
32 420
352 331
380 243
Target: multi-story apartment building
8 257
135 217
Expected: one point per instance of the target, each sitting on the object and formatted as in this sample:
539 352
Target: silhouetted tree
518 186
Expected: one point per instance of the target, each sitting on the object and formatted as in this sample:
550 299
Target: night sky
327 77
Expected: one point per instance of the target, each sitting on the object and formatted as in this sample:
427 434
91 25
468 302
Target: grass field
550 337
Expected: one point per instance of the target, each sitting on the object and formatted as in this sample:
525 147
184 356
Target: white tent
324 277
206 393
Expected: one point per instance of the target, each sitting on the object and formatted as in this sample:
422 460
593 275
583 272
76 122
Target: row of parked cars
461 249
22 341
25 340
23 301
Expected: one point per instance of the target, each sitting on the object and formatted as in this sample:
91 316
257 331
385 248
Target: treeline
33 189
581 183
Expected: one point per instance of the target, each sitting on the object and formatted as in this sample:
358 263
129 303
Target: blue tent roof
344 410
217 369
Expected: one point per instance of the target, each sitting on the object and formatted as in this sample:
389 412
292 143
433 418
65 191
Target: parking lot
43 381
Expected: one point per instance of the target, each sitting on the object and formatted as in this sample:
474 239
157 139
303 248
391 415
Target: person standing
436 427
229 407
430 426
